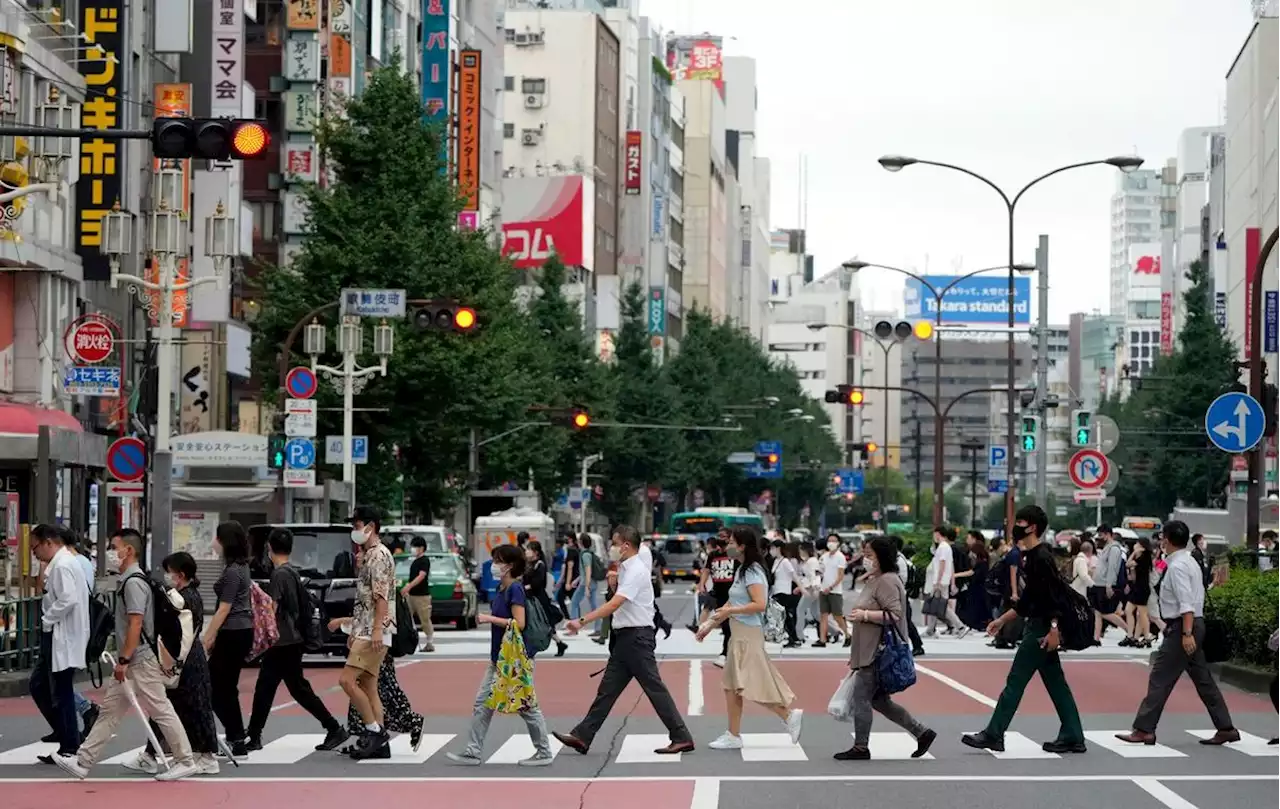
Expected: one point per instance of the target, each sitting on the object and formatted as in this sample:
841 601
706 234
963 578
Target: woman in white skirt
749 674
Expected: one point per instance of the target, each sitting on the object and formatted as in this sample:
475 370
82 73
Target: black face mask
1020 532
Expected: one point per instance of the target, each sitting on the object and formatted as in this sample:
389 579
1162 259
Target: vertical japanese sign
303 15
195 415
1166 323
1271 322
632 159
657 310
173 101
469 100
340 55
100 161
1252 249
435 63
227 78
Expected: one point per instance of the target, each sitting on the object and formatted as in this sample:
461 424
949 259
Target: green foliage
1247 604
1164 453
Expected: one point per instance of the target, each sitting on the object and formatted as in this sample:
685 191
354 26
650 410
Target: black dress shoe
49 738
982 741
334 739
854 753
1064 746
924 742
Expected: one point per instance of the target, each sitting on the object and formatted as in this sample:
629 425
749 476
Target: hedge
1248 604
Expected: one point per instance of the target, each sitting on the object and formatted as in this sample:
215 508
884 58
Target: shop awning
26 419
68 442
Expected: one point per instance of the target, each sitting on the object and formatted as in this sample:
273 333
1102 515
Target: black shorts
1099 601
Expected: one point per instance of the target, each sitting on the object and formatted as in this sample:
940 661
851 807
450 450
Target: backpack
915 580
537 627
308 618
265 630
173 629
404 638
102 626
1075 627
597 567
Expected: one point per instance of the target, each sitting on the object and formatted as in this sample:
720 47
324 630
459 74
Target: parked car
453 594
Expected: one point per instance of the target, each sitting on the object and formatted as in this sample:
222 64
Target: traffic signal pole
1042 373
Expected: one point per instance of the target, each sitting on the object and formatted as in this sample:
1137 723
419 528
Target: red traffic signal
209 138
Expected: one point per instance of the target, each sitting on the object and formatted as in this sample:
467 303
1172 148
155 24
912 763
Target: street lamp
939 455
350 378
50 153
1125 163
167 229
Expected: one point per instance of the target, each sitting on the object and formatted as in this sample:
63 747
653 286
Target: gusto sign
554 224
631 163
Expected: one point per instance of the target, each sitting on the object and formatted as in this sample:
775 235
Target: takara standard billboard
545 215
981 300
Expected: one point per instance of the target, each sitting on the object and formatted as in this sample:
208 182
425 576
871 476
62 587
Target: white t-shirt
635 585
784 576
809 573
832 563
942 567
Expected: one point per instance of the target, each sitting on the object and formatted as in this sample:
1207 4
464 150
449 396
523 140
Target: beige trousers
148 686
421 606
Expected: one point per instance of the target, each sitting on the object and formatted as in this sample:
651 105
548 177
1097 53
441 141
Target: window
508 130
1133 337
509 83
533 86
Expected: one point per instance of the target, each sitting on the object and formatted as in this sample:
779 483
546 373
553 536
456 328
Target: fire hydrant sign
91 342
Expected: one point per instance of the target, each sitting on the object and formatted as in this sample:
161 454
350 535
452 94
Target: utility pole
1042 372
587 463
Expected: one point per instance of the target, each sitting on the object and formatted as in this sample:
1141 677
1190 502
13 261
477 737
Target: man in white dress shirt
1182 609
64 624
631 653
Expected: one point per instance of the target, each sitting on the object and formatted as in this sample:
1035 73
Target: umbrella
110 661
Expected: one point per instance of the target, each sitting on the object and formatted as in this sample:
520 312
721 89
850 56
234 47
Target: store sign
301 162
1166 323
436 64
303 15
469 102
302 58
544 215
101 165
227 77
632 160
657 310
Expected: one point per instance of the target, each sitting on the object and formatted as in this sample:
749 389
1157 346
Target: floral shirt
375 578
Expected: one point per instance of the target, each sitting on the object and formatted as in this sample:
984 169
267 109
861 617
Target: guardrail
19 632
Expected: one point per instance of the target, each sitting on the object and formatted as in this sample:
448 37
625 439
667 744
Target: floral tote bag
513 684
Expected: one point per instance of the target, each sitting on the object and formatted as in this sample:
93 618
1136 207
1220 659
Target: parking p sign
997 469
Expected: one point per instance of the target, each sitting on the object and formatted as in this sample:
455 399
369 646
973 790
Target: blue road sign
299 453
301 382
1235 422
851 481
757 470
997 469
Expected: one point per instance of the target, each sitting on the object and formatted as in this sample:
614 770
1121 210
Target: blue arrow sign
851 481
1235 422
299 453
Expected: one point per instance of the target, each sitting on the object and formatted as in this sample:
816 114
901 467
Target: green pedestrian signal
275 451
1030 432
1028 443
1082 436
1082 424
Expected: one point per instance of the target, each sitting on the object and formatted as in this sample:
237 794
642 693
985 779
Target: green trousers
1029 659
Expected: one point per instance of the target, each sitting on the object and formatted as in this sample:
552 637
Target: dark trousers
788 601
226 661
631 657
1028 660
54 694
1275 693
1171 660
283 664
916 644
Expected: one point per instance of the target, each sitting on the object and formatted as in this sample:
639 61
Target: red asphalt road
340 794
446 687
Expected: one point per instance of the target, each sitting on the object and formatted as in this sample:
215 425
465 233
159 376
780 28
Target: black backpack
405 640
308 618
1075 627
102 626
167 628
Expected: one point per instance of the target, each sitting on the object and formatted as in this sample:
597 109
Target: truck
501 528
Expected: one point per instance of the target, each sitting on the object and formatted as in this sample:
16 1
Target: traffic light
275 450
1030 433
866 449
1081 429
209 138
845 394
576 417
768 461
445 316
923 330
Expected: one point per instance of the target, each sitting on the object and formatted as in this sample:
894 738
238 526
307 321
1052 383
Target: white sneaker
537 761
793 723
71 766
718 662
727 741
143 763
207 764
178 771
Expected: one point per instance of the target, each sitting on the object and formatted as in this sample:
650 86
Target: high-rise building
749 273
1191 195
1135 219
1092 340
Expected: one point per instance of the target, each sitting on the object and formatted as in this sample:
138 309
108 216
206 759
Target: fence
19 632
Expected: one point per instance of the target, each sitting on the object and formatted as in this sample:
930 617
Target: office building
749 270
1135 219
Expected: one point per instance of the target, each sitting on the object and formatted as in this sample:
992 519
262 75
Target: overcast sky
1008 88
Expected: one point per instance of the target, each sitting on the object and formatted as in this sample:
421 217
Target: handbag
775 622
840 707
895 668
512 690
935 606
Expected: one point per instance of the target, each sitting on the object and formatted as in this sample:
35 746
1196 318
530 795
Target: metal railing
19 632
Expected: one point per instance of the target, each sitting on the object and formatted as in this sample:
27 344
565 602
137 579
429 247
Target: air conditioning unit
521 38
530 137
534 101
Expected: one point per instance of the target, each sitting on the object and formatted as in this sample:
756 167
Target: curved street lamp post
895 163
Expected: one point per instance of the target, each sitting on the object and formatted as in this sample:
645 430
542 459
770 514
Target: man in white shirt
1182 609
64 634
830 593
631 653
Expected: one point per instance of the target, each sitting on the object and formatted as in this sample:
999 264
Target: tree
388 220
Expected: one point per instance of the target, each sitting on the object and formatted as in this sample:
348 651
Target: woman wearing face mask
786 584
881 603
192 698
229 635
508 608
806 610
535 587
749 674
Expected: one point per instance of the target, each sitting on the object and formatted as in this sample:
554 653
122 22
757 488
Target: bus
707 521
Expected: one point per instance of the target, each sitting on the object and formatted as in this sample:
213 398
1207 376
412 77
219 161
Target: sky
1010 89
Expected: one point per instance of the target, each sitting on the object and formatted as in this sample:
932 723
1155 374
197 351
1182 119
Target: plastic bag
841 705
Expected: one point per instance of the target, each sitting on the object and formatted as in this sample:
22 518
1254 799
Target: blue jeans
591 594
481 716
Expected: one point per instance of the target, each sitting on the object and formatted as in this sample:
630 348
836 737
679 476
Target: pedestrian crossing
637 748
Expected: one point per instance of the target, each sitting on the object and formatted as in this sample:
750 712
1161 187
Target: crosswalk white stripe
637 748
26 754
894 746
518 748
402 753
1250 745
288 749
771 747
1017 746
1107 739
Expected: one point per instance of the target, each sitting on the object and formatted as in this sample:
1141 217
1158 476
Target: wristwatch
1187 633
124 661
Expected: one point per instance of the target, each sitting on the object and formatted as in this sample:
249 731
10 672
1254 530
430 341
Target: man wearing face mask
1041 602
831 596
631 653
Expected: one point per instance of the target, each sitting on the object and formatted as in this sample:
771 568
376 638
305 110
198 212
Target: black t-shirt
721 567
571 557
283 588
420 565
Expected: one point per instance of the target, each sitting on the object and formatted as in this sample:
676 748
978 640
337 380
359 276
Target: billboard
1144 266
468 162
1166 322
972 301
545 215
436 64
101 162
696 58
631 162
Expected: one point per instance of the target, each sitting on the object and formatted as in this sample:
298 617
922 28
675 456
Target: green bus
707 521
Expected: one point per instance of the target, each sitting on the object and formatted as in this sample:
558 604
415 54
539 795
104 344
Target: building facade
1135 219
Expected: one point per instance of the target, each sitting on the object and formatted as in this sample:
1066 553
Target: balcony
675 206
675 255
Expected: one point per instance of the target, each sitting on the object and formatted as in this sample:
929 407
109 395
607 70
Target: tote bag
895 668
512 690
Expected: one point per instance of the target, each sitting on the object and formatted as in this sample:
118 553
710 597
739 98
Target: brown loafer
572 742
675 748
1222 737
1137 737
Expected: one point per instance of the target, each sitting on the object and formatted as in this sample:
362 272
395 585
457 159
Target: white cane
110 660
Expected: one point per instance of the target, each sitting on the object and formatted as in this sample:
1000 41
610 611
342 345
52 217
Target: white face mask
500 571
169 580
358 536
775 553
113 560
831 546
615 554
